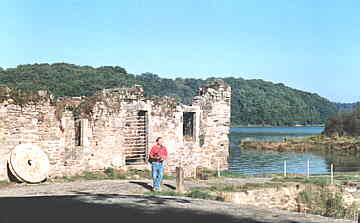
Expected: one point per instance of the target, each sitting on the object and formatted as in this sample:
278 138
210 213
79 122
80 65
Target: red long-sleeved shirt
159 151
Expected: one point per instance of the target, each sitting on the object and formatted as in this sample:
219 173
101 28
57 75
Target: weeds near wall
22 97
322 201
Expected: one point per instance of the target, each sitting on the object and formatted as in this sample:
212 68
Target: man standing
158 154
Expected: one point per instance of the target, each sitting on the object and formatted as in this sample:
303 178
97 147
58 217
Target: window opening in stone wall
201 140
77 124
136 137
189 126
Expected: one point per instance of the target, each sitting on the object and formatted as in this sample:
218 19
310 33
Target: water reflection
262 162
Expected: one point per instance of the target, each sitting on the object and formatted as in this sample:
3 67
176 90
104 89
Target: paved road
122 201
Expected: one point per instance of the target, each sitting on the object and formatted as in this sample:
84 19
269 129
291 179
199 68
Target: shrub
110 172
321 201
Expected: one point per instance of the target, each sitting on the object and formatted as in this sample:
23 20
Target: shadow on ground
86 207
143 184
147 186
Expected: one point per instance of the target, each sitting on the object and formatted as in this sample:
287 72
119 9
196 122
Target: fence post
284 168
308 168
179 180
332 173
218 167
195 172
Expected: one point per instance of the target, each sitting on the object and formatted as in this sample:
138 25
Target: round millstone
29 163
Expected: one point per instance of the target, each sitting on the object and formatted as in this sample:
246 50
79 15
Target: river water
251 161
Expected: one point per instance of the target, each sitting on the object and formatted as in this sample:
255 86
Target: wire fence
319 196
329 201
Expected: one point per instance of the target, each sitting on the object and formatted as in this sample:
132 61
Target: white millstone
28 163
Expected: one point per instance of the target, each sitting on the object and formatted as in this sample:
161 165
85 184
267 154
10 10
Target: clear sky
311 45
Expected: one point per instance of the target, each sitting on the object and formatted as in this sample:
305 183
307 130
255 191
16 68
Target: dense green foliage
253 101
344 124
347 107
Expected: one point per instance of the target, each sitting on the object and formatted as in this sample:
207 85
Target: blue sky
312 45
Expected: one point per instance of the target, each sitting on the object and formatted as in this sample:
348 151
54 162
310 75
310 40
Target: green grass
163 193
109 174
198 193
93 175
168 177
4 183
244 187
320 180
225 174
354 178
114 174
228 174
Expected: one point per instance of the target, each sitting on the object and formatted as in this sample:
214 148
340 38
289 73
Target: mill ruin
113 128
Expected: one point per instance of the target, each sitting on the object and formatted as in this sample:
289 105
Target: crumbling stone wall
30 123
214 101
97 132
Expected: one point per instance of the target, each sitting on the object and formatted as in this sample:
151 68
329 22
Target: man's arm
164 153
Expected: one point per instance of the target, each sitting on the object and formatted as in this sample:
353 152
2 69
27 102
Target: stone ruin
113 128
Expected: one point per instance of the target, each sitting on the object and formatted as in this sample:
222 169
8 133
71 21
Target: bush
321 201
110 172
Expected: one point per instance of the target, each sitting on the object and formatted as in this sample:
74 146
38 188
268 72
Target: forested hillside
253 101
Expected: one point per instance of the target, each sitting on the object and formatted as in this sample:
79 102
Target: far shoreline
276 126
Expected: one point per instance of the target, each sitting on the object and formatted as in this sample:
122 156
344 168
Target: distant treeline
347 107
254 102
344 124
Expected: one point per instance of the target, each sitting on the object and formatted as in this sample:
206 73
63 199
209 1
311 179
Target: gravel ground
102 200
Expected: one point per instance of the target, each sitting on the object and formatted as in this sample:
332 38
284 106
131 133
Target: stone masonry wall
35 124
94 133
215 101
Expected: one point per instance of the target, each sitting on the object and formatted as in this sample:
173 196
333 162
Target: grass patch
318 180
312 180
71 178
4 183
94 175
109 174
347 178
168 177
225 174
244 187
163 193
229 174
198 193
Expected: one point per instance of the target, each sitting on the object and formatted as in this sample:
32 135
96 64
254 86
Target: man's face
160 141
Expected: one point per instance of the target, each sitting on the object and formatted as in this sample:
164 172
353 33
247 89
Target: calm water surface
250 161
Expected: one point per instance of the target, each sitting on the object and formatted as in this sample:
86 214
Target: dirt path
113 197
